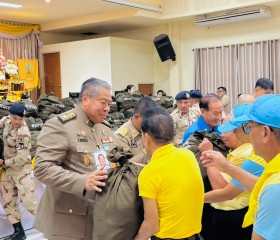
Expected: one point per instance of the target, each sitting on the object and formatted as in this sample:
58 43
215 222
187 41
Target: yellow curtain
28 70
16 29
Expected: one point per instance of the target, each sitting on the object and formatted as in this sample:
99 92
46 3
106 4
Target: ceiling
80 16
75 17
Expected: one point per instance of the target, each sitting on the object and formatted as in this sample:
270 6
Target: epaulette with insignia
123 131
107 124
65 117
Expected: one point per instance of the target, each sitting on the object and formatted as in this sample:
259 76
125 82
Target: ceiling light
10 5
135 5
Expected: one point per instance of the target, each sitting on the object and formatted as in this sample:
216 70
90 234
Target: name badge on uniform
81 139
133 143
82 136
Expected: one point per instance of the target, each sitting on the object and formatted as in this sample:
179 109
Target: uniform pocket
70 216
86 161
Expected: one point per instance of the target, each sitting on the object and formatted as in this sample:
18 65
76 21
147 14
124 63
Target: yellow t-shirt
173 179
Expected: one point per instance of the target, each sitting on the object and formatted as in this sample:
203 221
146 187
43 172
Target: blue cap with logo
195 94
238 111
17 109
184 95
265 110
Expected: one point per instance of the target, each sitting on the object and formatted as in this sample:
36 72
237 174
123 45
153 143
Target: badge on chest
133 143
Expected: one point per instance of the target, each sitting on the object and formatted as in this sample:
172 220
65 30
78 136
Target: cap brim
233 124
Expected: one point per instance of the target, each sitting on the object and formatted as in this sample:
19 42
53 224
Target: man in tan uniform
16 177
181 117
129 136
222 94
66 162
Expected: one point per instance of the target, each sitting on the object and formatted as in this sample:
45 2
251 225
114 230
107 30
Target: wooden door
146 89
52 75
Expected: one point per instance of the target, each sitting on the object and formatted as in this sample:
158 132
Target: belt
193 237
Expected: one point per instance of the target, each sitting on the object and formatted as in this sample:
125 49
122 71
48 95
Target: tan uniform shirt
195 111
17 144
226 105
181 123
130 139
65 155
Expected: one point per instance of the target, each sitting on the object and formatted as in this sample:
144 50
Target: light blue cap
265 110
238 111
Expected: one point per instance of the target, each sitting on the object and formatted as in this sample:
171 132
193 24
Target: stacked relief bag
125 101
4 107
49 104
71 101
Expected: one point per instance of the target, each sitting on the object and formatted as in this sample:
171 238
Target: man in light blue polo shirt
211 113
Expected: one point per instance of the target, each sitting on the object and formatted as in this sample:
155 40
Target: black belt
193 237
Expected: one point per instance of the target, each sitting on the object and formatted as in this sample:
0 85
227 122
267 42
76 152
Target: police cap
17 109
184 95
195 94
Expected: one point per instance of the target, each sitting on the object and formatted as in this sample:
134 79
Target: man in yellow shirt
170 185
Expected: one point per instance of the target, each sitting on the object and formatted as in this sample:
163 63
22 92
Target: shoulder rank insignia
123 131
107 124
65 117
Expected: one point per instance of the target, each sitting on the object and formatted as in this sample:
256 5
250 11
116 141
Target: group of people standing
170 184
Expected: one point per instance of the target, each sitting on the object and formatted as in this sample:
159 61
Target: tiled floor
33 234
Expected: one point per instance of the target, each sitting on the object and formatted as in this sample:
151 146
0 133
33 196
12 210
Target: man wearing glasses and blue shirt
262 123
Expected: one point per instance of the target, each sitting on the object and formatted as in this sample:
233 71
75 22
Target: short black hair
128 87
265 83
223 88
144 103
160 91
207 99
158 124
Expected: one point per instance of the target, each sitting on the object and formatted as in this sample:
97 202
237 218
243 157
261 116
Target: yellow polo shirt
173 179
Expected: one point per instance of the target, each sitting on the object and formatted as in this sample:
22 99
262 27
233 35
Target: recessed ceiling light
10 5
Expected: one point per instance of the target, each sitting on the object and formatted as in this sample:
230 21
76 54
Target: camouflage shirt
17 144
182 121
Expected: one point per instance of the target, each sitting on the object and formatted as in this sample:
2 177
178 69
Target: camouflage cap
17 109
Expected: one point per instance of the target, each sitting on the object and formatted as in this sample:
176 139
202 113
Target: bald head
246 98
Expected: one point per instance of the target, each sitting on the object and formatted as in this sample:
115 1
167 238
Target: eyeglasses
247 126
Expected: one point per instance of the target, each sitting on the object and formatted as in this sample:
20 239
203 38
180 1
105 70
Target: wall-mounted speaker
164 48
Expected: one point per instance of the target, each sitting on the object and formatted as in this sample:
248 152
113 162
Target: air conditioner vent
231 16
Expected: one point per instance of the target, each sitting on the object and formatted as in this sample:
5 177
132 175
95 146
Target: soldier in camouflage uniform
181 117
16 177
129 137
